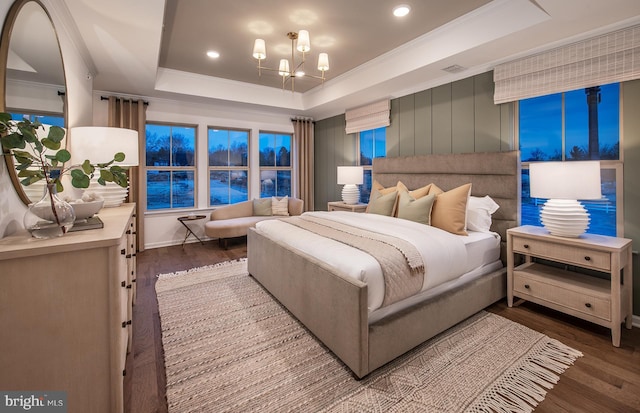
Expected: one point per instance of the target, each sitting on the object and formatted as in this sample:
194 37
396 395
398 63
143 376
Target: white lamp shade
283 70
350 175
259 49
565 180
304 45
323 62
98 144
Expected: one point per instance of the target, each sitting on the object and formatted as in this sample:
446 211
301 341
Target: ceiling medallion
299 41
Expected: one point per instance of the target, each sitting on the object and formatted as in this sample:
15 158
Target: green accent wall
458 117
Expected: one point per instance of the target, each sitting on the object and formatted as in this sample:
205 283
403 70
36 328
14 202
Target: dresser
65 312
603 297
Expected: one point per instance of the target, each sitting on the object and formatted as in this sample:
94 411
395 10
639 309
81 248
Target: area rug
229 346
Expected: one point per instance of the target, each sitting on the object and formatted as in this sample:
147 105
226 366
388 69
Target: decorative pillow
450 209
479 211
382 204
280 206
416 193
382 191
417 210
262 207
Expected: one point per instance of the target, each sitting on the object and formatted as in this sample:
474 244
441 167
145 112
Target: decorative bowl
86 210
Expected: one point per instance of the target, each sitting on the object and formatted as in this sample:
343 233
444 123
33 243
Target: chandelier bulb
304 44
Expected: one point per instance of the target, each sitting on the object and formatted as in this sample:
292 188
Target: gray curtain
303 156
131 114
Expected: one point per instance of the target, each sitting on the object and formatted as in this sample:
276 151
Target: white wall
79 110
162 228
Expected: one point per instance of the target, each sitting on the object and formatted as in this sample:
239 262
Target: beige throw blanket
401 263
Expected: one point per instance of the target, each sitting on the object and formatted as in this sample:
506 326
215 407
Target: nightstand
341 206
606 301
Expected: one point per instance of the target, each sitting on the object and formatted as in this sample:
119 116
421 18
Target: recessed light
213 54
401 10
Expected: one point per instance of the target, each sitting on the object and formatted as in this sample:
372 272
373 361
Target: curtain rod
107 98
303 119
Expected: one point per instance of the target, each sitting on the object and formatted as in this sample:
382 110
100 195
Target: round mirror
32 80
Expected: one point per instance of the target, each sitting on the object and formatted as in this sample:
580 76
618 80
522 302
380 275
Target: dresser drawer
583 257
558 288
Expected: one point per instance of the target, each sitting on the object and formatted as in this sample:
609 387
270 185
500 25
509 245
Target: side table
341 206
187 218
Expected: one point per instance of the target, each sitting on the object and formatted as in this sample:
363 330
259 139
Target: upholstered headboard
496 174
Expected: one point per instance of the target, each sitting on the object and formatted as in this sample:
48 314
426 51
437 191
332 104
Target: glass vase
49 217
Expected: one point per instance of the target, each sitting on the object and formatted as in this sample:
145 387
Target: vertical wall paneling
462 116
487 115
407 132
393 131
441 118
422 121
631 144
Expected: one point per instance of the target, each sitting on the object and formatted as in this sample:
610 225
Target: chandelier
284 69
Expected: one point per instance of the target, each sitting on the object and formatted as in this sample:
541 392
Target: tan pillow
382 191
280 206
416 193
450 209
262 207
382 204
417 210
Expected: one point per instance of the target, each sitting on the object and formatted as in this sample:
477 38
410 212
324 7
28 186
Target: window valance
609 58
372 116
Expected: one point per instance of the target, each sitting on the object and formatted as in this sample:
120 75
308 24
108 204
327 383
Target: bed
334 305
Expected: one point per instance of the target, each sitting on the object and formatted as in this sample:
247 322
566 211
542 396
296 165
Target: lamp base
564 218
350 194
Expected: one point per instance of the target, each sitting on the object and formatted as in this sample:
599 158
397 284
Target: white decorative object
563 183
86 210
99 144
350 177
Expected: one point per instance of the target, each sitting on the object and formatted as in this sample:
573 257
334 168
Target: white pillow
479 211
280 206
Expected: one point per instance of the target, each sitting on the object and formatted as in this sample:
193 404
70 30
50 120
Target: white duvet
444 254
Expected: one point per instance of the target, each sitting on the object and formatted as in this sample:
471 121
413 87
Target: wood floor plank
606 379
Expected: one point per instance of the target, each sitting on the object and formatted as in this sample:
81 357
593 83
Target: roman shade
372 116
609 58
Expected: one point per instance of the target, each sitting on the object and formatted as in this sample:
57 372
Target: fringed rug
230 347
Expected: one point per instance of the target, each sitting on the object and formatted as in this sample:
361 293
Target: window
275 164
170 153
228 166
577 125
53 120
373 144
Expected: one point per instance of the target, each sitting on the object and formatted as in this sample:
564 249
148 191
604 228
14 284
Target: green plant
37 158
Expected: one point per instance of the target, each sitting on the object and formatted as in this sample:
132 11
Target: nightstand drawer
583 257
561 289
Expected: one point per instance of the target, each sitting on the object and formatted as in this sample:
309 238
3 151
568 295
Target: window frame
368 167
605 164
171 169
275 167
246 168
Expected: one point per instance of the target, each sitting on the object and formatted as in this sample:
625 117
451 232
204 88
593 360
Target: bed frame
333 306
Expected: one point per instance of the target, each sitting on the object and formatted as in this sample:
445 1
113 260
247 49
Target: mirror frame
7 29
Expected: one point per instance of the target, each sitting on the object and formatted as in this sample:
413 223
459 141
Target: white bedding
446 256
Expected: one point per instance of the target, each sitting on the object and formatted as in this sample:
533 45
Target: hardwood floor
606 379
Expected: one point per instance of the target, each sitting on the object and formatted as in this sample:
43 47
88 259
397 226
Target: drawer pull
587 258
128 232
129 286
128 256
588 305
123 284
123 251
526 246
527 286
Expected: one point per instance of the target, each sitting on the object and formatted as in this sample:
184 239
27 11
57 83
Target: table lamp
350 177
99 144
563 184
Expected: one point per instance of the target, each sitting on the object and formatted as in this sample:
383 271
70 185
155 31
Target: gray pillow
382 204
262 207
417 210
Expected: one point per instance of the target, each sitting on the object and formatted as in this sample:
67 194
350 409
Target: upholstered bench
231 221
